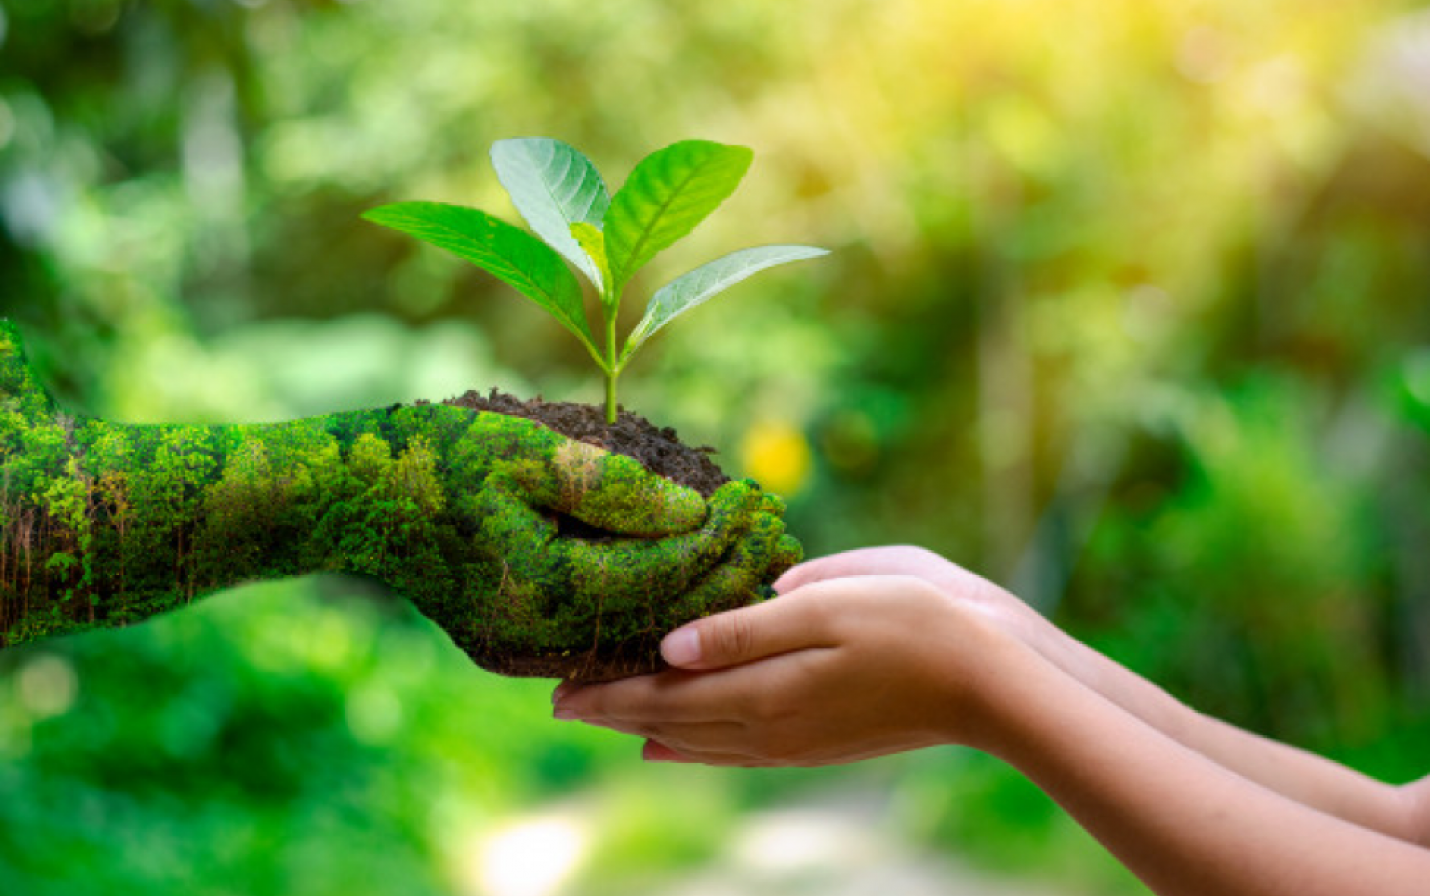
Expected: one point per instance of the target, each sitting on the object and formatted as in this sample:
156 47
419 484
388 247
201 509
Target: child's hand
975 592
833 671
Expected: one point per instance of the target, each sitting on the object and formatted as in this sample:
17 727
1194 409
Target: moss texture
460 511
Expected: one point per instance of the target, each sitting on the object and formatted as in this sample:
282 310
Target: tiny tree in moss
608 238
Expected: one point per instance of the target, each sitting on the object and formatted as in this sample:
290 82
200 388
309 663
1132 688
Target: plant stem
611 397
612 367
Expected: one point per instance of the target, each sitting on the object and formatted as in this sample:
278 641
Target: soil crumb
658 449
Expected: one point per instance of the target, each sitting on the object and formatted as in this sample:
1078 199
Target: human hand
1002 607
537 554
832 671
588 601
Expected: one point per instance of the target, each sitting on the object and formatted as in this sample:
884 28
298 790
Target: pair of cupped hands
862 654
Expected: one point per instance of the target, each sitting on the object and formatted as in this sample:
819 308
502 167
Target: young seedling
608 238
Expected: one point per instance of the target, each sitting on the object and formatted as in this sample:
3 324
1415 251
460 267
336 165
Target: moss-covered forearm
107 524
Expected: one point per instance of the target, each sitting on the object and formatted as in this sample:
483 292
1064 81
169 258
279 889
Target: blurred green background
1128 311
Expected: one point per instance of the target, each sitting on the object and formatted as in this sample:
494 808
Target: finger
793 622
721 566
832 566
730 759
754 558
654 751
613 588
735 503
669 697
708 736
772 503
733 511
788 552
567 686
571 591
615 493
716 567
800 575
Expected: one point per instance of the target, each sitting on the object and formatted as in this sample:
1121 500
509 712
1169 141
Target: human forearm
1186 825
460 511
849 663
1299 775
1294 773
110 523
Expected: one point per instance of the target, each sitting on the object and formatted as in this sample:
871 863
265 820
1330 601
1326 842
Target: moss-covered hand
537 554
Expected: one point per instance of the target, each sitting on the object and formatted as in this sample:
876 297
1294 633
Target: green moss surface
460 511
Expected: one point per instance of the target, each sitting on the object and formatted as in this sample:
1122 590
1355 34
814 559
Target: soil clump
658 449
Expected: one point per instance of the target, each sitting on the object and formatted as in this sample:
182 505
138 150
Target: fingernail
681 647
564 714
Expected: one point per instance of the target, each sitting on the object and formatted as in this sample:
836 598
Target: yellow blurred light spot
777 455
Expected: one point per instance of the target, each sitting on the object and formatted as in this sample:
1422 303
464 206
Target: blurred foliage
1128 311
274 739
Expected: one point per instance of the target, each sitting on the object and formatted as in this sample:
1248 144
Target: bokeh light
1126 309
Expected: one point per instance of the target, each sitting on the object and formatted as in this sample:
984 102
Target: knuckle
916 550
732 637
922 589
592 702
820 617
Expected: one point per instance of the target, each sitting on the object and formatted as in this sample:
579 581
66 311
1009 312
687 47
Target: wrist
1018 621
1030 716
987 681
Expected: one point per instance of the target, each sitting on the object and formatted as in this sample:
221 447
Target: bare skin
883 650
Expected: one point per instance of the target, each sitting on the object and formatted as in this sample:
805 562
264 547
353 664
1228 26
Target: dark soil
659 450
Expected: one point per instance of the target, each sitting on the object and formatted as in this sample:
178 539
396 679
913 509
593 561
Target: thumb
615 493
779 625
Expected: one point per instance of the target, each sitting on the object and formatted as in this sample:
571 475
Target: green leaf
553 186
61 561
668 193
593 242
688 290
506 252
